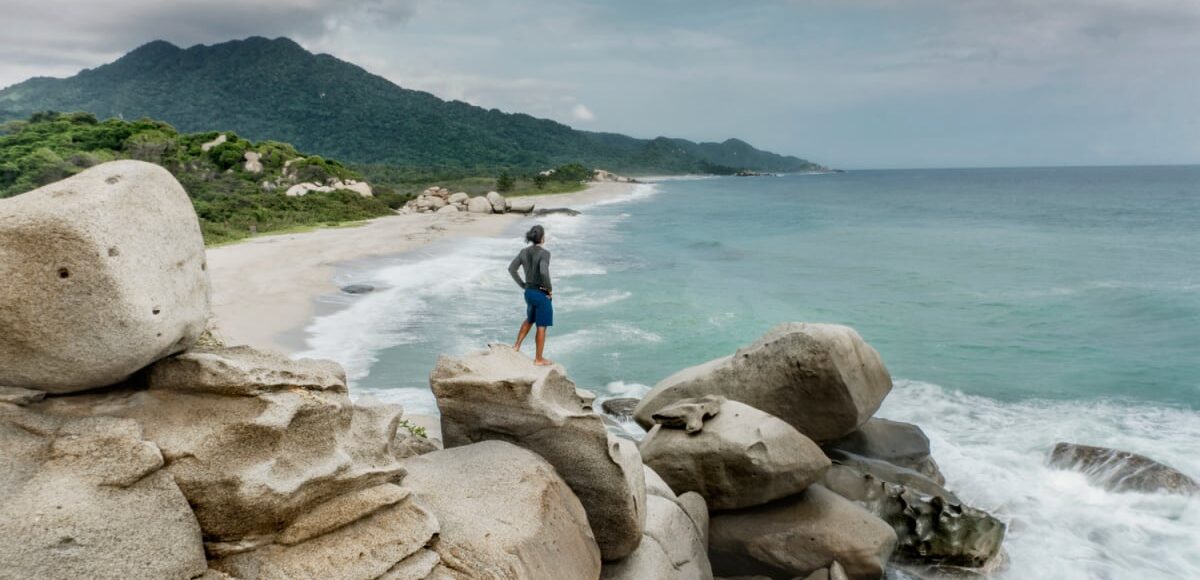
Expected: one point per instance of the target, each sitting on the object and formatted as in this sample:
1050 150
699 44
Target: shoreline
265 289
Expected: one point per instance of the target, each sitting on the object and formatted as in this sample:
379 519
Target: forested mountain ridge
275 89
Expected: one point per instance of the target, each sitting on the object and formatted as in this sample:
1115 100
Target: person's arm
512 271
544 271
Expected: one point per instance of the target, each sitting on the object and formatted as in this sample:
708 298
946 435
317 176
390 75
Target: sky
847 83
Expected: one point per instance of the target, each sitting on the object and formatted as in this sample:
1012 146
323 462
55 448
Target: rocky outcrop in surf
1119 471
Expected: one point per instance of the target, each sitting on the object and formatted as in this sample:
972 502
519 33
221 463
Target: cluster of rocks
130 451
601 175
288 179
441 200
801 480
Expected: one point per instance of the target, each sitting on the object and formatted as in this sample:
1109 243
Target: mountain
274 89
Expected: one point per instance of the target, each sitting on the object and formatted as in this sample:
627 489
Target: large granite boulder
822 379
88 498
101 274
254 440
505 514
1119 471
741 457
675 544
499 394
499 205
931 524
479 204
898 443
799 535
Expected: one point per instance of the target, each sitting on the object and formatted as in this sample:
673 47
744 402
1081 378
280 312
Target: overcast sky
849 83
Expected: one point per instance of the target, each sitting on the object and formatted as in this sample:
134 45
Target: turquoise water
1014 307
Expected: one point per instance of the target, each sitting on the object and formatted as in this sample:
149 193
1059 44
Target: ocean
1015 308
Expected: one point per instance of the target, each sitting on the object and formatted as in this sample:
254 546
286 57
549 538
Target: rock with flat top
1119 471
499 394
504 513
822 379
799 535
254 440
458 197
89 498
101 274
742 457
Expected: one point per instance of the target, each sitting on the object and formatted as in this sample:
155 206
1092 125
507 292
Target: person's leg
540 338
525 326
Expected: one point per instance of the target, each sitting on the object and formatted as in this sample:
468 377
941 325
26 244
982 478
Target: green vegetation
414 429
274 89
231 202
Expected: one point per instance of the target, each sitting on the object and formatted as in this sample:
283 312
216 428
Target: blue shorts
538 309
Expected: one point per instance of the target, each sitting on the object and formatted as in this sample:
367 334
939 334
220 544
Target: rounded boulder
101 274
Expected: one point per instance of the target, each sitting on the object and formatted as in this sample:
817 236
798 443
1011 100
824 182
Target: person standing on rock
539 310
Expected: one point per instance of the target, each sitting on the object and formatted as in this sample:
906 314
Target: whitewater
1014 308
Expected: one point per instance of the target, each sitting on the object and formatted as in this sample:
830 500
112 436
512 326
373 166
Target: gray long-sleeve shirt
535 260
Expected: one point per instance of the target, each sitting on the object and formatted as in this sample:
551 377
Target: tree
540 180
505 182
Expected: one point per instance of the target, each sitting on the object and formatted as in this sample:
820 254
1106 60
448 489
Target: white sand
265 286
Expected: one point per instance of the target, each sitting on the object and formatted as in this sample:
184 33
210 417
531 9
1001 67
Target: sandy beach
265 287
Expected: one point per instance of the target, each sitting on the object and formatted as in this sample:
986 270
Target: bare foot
545 362
516 347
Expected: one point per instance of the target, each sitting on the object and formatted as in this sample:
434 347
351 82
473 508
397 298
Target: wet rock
822 379
557 211
504 513
101 274
931 524
742 457
1119 471
499 394
901 444
620 408
358 289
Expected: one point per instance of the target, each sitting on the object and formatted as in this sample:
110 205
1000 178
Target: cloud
582 113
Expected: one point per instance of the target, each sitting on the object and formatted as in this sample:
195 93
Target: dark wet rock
901 444
932 526
1118 470
557 211
358 289
620 408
